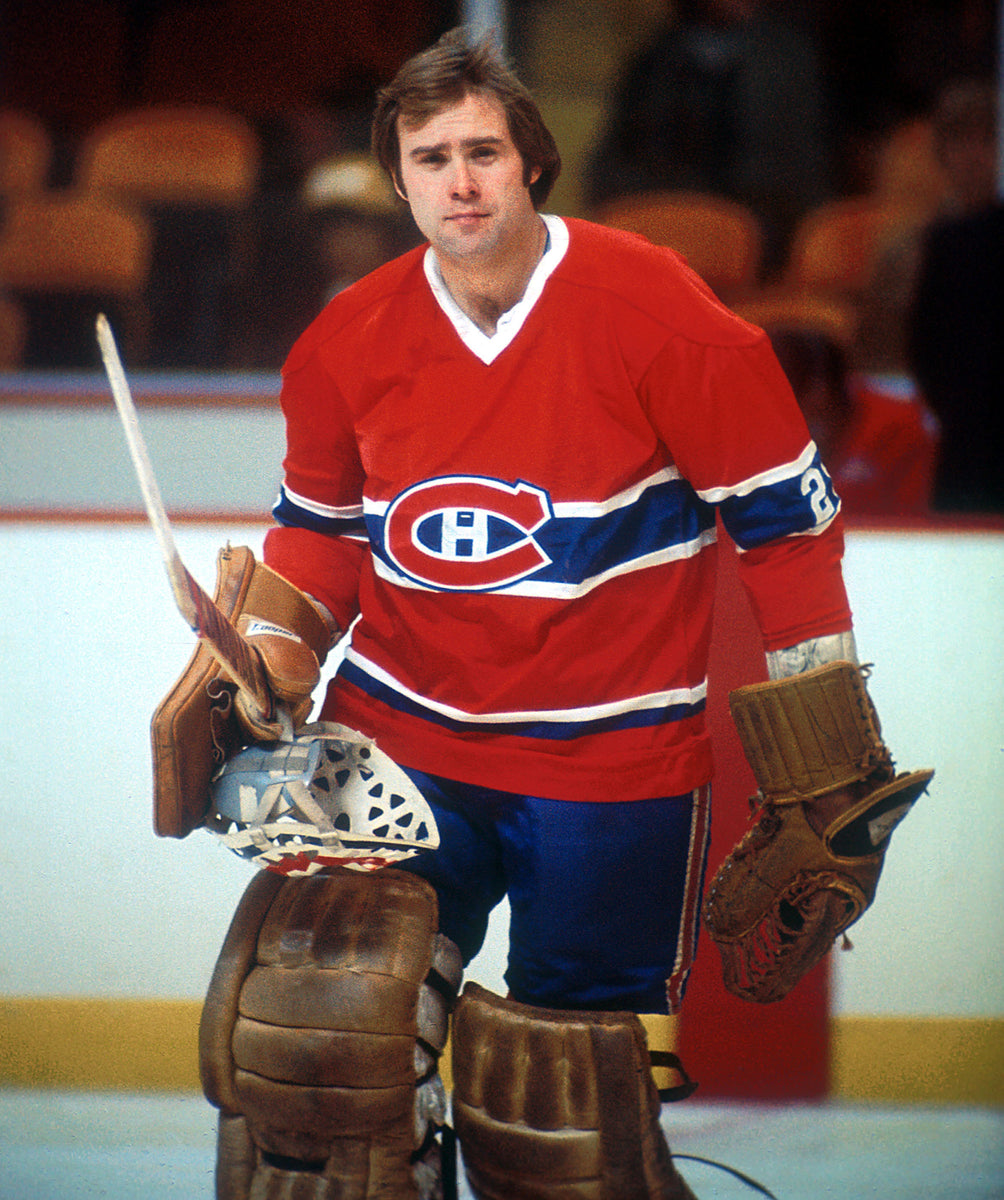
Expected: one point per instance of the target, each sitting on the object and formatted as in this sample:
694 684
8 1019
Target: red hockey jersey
885 462
523 526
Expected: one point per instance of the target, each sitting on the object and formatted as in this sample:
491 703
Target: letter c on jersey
462 533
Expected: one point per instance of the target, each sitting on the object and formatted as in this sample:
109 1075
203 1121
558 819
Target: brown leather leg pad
309 1033
557 1105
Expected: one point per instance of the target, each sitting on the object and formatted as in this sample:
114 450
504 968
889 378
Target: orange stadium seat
721 239
65 254
837 245
193 170
172 155
25 153
803 310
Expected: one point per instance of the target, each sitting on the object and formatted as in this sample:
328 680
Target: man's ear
399 187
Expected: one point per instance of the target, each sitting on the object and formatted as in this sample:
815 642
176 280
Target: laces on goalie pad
329 797
787 891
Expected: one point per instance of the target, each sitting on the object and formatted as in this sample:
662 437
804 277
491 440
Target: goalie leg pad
321 1033
557 1105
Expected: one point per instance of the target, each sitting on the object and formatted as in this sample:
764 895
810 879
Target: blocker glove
203 720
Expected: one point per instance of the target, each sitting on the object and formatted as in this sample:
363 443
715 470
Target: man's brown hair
443 75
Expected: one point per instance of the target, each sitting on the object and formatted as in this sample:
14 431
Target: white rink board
101 907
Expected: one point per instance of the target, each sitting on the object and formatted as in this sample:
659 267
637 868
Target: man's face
463 178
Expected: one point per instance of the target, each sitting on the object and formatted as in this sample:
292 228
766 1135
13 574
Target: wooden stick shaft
211 625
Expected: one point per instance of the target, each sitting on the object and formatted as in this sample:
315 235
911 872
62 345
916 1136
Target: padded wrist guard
321 1034
551 1104
195 729
829 800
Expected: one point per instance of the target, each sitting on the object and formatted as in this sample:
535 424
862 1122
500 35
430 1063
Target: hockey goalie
510 454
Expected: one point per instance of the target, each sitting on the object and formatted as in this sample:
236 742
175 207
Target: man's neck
484 291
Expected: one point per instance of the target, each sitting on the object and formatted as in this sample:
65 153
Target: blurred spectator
287 278
886 63
359 223
955 323
880 447
726 98
964 140
957 355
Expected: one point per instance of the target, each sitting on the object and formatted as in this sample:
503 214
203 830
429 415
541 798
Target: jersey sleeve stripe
783 504
778 474
296 510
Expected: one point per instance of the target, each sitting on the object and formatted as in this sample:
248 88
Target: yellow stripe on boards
152 1045
939 1060
143 1045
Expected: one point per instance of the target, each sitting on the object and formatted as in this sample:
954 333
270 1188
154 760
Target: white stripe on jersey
565 508
555 590
347 512
778 474
593 712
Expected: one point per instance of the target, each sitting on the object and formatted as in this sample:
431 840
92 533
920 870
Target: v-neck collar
489 347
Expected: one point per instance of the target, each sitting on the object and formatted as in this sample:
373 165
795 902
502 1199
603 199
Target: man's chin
459 244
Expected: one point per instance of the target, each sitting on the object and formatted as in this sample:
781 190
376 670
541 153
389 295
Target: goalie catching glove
828 802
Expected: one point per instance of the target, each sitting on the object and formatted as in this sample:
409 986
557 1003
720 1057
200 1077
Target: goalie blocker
203 719
829 800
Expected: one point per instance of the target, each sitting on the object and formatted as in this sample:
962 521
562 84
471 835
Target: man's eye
432 160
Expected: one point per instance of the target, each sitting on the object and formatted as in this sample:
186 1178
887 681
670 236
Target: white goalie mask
327 798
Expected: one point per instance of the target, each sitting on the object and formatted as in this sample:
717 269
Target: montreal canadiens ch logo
464 533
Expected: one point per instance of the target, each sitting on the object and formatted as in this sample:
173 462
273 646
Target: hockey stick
210 625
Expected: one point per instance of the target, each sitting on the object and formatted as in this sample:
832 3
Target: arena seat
187 154
25 153
721 240
837 245
63 257
193 170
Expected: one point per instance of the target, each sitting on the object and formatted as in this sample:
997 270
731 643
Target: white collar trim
486 347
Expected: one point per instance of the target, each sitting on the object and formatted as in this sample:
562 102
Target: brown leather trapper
274 598
195 729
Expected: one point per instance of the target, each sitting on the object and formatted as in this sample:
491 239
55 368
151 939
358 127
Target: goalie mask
328 798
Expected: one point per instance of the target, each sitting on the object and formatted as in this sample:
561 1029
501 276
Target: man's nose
464 184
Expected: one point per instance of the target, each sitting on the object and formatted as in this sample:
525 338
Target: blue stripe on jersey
584 543
666 514
805 502
298 513
559 731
